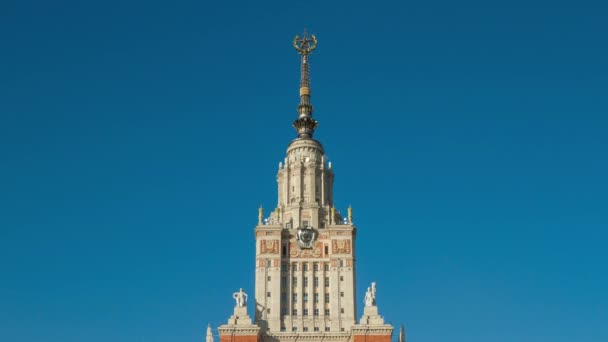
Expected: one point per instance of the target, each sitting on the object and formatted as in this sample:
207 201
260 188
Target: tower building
305 250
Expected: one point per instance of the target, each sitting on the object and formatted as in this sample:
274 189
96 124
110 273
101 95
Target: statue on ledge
370 295
241 298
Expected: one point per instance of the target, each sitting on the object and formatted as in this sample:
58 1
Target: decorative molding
269 246
341 246
315 252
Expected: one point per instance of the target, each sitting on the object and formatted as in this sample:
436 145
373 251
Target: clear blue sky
138 139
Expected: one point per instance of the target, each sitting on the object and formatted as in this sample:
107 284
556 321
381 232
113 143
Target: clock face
306 236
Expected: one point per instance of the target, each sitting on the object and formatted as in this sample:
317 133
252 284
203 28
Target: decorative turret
209 337
402 334
305 124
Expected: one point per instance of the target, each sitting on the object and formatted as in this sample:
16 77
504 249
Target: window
268 278
268 294
341 278
305 312
341 263
294 281
283 311
294 267
284 250
305 223
315 312
326 265
305 265
283 328
283 282
294 298
294 312
327 298
268 311
341 294
283 297
326 252
326 312
316 266
305 281
305 328
326 281
315 281
268 263
316 297
305 298
326 328
342 310
294 329
341 329
316 328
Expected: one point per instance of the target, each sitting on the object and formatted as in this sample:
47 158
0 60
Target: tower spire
209 337
305 124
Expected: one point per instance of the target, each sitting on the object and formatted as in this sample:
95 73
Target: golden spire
305 124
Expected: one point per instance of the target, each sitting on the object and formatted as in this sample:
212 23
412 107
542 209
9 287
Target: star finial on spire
306 44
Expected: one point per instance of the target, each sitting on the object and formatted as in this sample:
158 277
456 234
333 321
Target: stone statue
240 297
369 299
374 292
370 295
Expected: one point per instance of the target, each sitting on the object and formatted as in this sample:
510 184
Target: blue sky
138 139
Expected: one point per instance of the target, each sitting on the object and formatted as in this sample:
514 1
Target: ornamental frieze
267 233
269 247
340 246
296 252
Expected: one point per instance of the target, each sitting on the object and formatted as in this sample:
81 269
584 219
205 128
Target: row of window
294 297
294 312
294 281
306 329
305 266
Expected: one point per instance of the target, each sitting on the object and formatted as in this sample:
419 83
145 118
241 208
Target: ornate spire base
371 316
239 327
